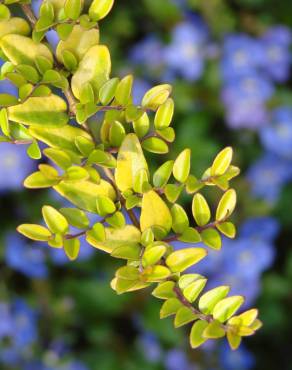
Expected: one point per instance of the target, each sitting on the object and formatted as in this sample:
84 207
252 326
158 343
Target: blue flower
7 87
277 136
247 257
6 323
148 53
241 359
150 346
15 166
24 323
267 176
277 57
25 258
241 55
176 359
185 54
139 89
260 228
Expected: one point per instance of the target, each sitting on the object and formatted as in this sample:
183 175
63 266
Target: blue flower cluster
250 68
19 336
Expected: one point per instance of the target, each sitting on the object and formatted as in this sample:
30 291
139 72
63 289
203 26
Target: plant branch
29 14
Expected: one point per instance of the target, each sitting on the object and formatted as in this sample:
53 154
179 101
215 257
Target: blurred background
230 64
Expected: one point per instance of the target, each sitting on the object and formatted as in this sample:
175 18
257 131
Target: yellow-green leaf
214 330
14 25
182 164
34 232
222 162
226 205
154 212
100 9
209 300
180 260
196 335
227 307
201 210
130 161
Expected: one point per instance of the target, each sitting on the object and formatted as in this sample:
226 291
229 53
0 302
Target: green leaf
180 220
48 171
4 13
38 180
233 340
49 111
64 30
78 41
168 134
153 253
69 60
133 113
83 194
225 308
56 241
182 259
147 237
55 221
43 64
4 124
211 238
209 300
87 94
141 183
117 134
34 151
214 330
201 210
182 164
22 50
192 291
61 137
108 90
141 125
14 25
72 248
59 157
190 235
222 162
226 205
28 72
128 273
162 174
155 274
123 90
193 185
94 68
172 192
154 212
187 279
75 217
76 173
155 145
34 232
128 236
131 253
227 228
85 145
184 316
73 8
156 96
129 162
170 307
164 290
96 234
196 336
7 100
105 206
164 114
100 9
117 220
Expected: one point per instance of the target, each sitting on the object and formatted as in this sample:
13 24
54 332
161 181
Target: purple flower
185 54
241 55
15 166
25 258
277 57
241 359
7 87
267 176
277 136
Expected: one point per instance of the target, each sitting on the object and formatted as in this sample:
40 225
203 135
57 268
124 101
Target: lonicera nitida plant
95 141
